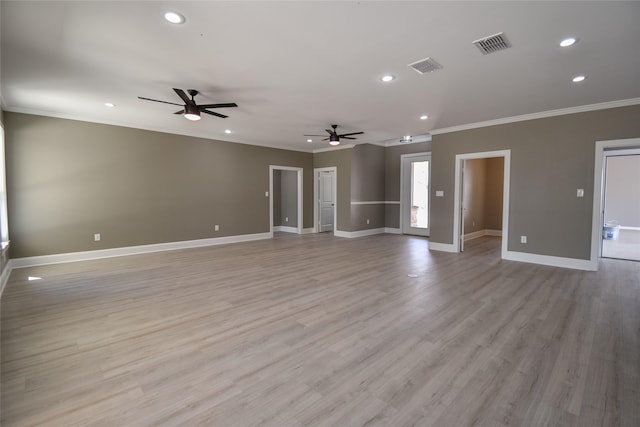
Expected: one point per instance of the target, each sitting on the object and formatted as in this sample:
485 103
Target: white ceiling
298 67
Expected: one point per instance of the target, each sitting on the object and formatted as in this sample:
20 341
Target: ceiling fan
191 110
334 138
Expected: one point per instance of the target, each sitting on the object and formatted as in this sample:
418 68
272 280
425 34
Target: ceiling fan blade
215 114
347 137
179 112
229 104
312 135
329 131
326 139
155 100
352 133
184 96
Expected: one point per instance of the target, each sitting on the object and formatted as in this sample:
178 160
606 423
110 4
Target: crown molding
540 115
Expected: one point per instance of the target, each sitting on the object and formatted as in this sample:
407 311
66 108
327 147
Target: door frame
316 196
299 171
598 192
402 188
457 197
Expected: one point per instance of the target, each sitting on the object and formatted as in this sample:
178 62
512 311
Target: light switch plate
580 192
439 193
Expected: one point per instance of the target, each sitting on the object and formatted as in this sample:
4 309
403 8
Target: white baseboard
482 233
443 247
132 250
359 233
308 230
285 229
629 228
553 261
390 230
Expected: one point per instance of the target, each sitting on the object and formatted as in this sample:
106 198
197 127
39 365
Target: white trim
286 229
4 278
576 264
381 202
308 230
359 233
457 199
629 228
598 192
316 197
332 148
390 230
482 233
299 171
540 115
133 250
443 247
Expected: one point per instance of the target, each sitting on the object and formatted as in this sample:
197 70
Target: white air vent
425 66
492 43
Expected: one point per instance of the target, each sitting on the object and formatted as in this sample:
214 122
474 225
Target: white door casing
299 171
410 195
325 196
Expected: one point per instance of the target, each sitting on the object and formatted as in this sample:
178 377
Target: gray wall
550 159
277 198
367 185
494 194
289 198
622 202
69 179
341 160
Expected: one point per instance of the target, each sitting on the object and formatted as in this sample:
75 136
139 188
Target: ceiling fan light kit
191 112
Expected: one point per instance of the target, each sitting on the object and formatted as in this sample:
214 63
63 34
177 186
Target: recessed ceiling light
309 140
174 17
387 78
568 42
578 79
109 104
227 131
424 117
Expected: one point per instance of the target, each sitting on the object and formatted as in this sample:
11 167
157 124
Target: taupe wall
622 202
550 159
494 194
367 185
277 198
341 160
289 198
68 180
392 167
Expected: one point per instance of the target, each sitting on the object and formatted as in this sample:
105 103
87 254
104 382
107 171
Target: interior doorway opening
415 173
285 199
463 212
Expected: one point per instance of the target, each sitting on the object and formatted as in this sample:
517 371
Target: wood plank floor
316 330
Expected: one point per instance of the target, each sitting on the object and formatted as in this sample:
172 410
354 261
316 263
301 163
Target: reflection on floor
626 247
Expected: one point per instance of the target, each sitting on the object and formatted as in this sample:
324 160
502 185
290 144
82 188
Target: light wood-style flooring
320 331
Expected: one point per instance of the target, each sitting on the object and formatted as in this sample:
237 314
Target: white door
414 199
327 201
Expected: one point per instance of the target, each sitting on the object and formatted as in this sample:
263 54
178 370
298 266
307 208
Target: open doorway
469 205
621 205
285 199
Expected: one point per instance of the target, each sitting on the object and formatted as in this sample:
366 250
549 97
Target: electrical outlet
367 221
216 227
580 192
286 219
266 194
523 239
96 237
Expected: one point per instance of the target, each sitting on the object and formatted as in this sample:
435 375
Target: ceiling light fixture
309 140
227 131
406 138
424 117
568 42
578 79
388 78
109 104
191 112
334 139
174 17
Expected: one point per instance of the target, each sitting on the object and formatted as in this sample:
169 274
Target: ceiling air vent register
424 66
492 43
